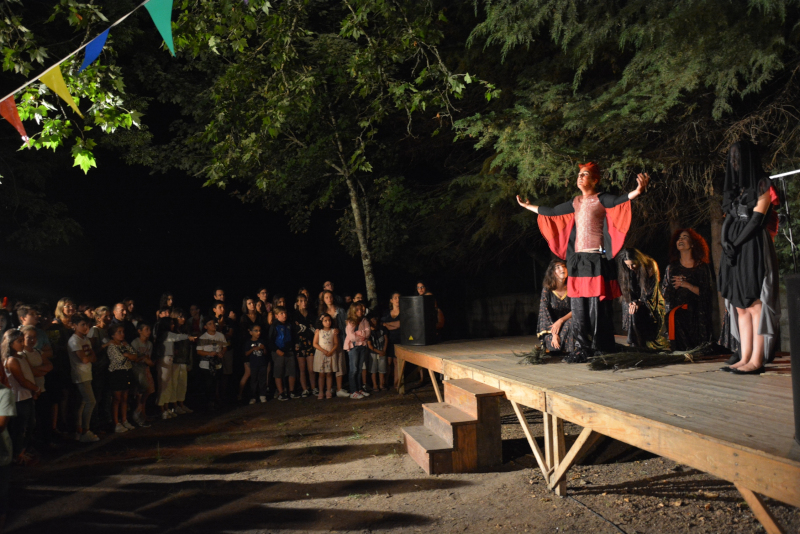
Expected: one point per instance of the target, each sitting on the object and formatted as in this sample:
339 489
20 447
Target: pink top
357 338
589 217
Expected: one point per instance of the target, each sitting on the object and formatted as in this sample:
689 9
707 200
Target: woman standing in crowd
249 318
391 321
748 273
642 302
687 291
304 322
337 314
357 332
57 381
555 316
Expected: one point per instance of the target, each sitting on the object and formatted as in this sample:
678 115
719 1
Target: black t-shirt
258 353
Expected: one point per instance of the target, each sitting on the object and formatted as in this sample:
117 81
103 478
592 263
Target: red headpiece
594 170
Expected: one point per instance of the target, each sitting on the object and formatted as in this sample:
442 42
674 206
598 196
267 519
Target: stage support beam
585 441
537 452
435 385
759 509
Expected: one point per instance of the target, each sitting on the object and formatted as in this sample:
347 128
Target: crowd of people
673 312
77 371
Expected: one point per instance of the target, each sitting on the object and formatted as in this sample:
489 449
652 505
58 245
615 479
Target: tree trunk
361 232
716 257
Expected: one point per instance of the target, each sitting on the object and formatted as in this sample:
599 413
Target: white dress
323 363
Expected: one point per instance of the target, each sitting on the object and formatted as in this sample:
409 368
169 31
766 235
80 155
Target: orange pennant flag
8 109
54 80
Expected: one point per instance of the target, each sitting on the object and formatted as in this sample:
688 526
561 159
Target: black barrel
418 320
793 299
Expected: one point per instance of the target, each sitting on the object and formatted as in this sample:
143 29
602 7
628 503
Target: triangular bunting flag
8 109
161 13
55 81
93 50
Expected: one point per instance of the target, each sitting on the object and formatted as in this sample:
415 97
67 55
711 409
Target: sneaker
262 398
366 389
166 415
253 401
180 410
173 413
89 437
294 395
140 420
283 397
127 425
342 393
305 393
315 391
186 409
357 396
364 393
119 429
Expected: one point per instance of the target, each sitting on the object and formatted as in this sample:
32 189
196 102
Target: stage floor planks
739 428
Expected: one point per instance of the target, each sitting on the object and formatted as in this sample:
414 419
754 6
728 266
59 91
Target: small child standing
378 339
20 379
283 360
120 356
257 354
81 358
326 341
211 347
145 385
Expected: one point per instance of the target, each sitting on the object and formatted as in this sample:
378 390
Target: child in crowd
283 361
256 352
181 359
29 316
143 377
40 365
20 378
166 366
211 347
326 342
98 336
304 344
377 342
120 357
355 343
81 358
7 411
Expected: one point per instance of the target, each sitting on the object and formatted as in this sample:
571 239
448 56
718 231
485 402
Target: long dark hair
162 303
323 308
647 269
550 279
699 246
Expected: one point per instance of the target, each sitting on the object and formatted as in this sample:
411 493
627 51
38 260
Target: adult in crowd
391 321
748 274
687 291
642 302
166 301
555 316
219 295
250 317
120 318
57 381
588 232
339 317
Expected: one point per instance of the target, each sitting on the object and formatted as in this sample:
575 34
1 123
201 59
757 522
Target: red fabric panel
619 222
556 231
672 320
8 109
592 286
772 218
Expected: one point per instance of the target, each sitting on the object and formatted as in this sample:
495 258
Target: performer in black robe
748 274
588 232
555 327
688 291
642 303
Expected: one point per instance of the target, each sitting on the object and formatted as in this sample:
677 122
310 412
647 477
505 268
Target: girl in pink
355 344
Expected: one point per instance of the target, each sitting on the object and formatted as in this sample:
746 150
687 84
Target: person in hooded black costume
748 273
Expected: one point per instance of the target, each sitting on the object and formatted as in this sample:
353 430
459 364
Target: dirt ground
340 466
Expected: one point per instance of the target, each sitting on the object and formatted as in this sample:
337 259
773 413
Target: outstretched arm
642 179
527 205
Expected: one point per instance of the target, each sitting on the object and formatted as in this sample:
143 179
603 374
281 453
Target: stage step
444 419
482 402
430 451
464 394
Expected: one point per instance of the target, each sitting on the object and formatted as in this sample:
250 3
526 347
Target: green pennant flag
161 13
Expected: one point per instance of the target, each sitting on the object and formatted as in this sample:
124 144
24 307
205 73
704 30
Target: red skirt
591 274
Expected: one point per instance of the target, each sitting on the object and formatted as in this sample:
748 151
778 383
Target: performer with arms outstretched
588 232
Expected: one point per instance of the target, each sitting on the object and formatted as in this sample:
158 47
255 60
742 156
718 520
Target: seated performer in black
687 291
642 303
555 315
748 274
588 232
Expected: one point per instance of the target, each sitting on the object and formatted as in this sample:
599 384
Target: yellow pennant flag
54 80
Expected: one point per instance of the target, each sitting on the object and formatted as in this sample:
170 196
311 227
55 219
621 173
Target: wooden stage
737 428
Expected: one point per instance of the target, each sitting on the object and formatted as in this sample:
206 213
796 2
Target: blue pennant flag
93 49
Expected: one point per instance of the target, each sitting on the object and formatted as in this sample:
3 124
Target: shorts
377 363
120 380
284 366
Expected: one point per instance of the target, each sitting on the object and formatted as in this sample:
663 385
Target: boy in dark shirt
224 325
283 362
259 364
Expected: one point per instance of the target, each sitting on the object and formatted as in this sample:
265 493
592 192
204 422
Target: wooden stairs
461 434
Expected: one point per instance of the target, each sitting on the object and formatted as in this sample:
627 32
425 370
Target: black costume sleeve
666 288
609 201
756 220
561 209
545 318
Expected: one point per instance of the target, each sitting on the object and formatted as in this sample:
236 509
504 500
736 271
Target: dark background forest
370 142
